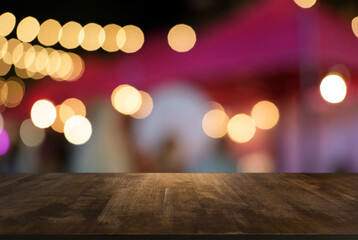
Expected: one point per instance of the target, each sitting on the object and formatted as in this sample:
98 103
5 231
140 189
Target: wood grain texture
192 204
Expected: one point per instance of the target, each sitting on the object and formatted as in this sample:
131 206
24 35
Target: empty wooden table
178 206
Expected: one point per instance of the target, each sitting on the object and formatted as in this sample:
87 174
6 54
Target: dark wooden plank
190 204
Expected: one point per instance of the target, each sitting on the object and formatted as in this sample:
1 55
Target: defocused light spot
78 130
70 35
355 26
29 57
19 60
30 135
4 142
12 92
4 67
265 114
333 89
77 69
65 66
181 38
11 45
42 60
58 125
43 113
214 123
35 75
21 73
54 63
94 37
49 32
241 128
121 38
2 84
126 99
32 54
305 3
146 106
28 29
7 23
3 46
71 107
110 42
134 39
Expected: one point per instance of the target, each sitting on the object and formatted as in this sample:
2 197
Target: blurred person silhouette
219 161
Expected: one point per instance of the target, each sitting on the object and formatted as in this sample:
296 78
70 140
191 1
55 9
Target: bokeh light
93 37
305 3
4 67
31 135
54 63
265 114
3 46
58 125
4 142
333 88
126 99
50 32
71 107
19 60
77 69
110 43
78 130
181 38
11 46
65 66
28 29
214 123
43 113
42 60
7 23
12 92
145 108
71 35
354 25
134 39
241 128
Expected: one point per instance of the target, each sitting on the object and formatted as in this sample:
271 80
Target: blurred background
179 86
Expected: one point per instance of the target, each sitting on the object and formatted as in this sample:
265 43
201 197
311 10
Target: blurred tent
268 37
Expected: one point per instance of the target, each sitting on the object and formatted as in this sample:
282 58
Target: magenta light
4 142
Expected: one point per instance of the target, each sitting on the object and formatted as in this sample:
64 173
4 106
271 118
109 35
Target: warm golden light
93 37
77 69
28 29
78 130
214 123
76 105
4 67
71 35
333 89
19 56
354 25
241 128
21 73
12 92
110 42
1 122
54 63
146 106
49 33
7 23
42 60
134 39
58 125
11 46
265 114
65 66
30 135
43 113
3 46
305 3
181 38
126 99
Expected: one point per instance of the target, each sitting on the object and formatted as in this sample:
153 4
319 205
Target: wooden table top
195 204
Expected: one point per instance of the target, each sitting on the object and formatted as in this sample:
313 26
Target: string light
28 29
7 23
